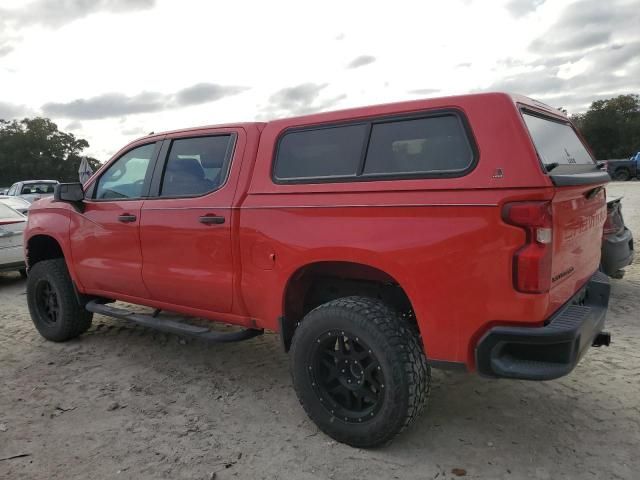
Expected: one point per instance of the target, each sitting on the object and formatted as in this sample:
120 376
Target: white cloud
162 65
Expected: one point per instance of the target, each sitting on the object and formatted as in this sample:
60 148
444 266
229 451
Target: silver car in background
32 190
17 203
12 225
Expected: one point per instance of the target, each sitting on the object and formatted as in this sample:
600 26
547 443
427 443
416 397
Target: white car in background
12 225
17 203
32 190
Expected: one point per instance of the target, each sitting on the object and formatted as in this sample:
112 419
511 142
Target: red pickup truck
378 241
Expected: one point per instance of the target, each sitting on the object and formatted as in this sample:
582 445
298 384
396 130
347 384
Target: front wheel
359 371
53 305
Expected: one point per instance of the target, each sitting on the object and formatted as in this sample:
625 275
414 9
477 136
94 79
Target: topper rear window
556 142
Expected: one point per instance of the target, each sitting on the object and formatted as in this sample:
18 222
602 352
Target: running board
172 326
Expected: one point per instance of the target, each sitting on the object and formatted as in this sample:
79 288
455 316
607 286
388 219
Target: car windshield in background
31 188
556 142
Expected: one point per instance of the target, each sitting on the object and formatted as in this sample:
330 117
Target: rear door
579 207
186 227
105 238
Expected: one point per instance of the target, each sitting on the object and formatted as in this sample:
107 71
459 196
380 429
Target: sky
111 71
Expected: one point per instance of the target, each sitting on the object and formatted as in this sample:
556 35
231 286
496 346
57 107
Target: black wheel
621 175
359 371
53 304
23 272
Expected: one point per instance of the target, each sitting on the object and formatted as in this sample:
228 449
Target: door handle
127 218
211 220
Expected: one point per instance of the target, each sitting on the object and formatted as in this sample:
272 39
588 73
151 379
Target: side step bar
172 326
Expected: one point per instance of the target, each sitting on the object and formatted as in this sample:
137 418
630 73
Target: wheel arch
320 281
41 247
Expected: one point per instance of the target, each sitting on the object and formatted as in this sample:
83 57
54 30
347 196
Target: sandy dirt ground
127 402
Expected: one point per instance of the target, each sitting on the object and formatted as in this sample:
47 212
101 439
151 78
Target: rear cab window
427 146
43 187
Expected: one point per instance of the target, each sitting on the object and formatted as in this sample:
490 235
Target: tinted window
42 187
426 145
556 142
196 166
125 178
322 153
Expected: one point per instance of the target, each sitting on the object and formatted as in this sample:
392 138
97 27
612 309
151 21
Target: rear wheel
621 175
53 304
359 371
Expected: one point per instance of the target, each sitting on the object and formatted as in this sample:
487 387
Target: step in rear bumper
551 351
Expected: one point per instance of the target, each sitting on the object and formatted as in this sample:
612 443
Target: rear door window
556 142
196 166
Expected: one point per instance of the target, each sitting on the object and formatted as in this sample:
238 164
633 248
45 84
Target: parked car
617 241
32 190
623 169
378 241
12 224
4 190
17 203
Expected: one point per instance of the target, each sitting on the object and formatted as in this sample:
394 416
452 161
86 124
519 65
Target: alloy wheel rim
346 376
47 300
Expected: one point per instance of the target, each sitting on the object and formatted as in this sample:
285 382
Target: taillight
609 226
532 262
613 222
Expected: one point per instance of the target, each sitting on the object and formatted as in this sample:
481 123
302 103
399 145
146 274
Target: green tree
34 148
612 127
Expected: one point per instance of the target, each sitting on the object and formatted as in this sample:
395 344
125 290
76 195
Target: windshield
43 187
556 142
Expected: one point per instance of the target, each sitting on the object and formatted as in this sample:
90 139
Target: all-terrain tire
369 327
53 303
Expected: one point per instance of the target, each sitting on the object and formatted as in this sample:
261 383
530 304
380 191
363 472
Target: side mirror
70 193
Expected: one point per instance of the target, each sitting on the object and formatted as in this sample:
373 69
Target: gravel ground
127 402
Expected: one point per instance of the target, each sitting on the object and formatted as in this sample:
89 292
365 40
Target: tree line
34 148
611 127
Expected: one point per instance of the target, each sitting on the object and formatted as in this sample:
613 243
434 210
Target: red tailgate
579 213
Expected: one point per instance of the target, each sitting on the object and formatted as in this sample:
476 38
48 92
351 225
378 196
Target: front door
105 238
185 227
